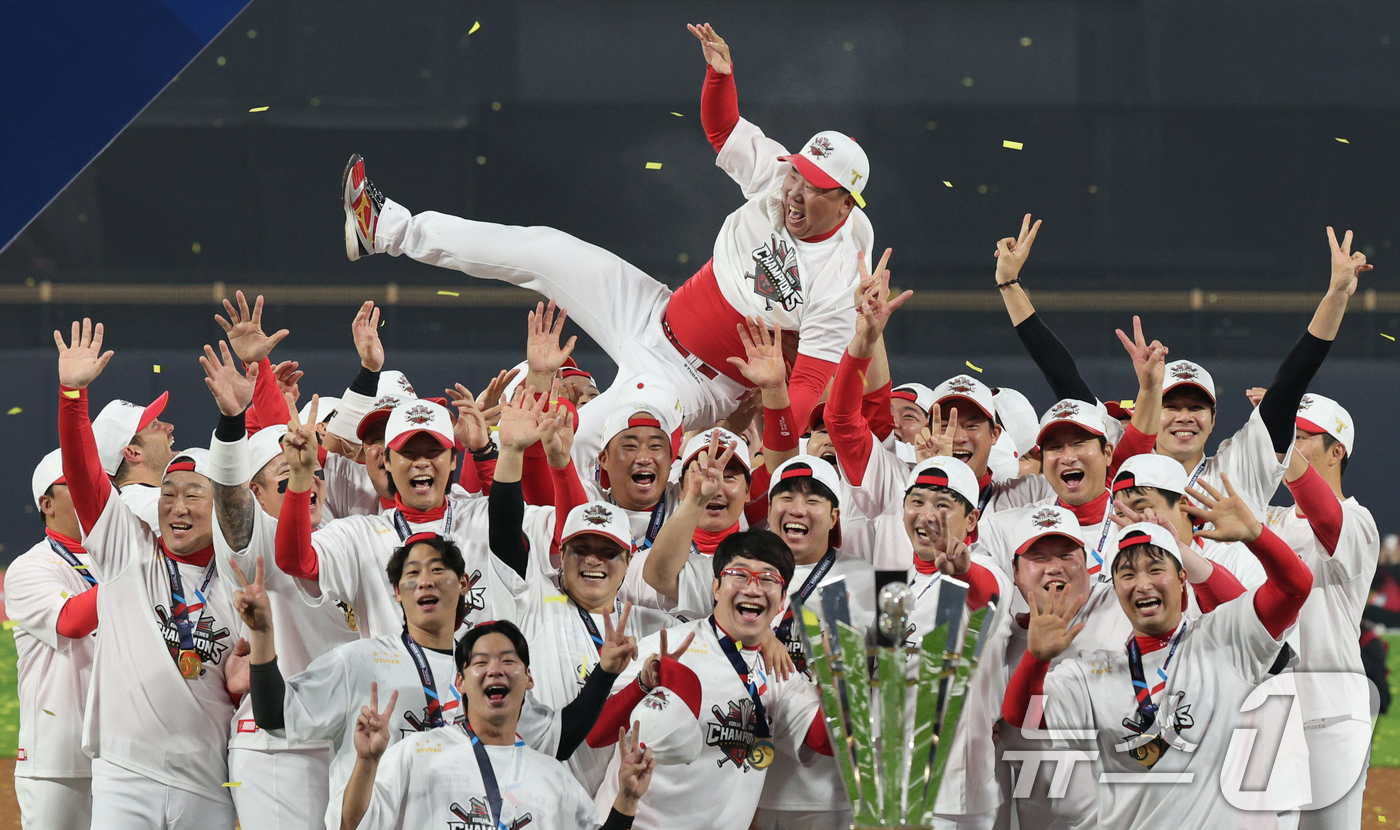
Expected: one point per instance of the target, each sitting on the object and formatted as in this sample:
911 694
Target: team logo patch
961 385
596 514
1046 517
1305 402
476 592
350 621
209 644
1064 410
775 276
658 700
385 402
478 814
1183 371
732 732
419 414
406 386
820 147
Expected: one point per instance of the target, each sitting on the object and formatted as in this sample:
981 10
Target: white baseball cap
809 466
1084 415
965 388
192 460
325 409
1017 417
47 474
921 395
379 411
700 441
118 423
1186 373
600 518
1151 470
1147 533
648 405
832 159
668 717
1318 413
942 471
411 418
264 446
1031 524
394 382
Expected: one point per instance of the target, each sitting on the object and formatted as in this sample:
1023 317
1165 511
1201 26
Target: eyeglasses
282 485
744 576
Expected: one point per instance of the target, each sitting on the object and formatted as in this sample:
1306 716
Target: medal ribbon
658 518
67 556
401 524
726 644
180 611
488 775
809 585
1147 710
425 674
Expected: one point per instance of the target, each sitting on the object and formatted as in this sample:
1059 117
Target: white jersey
763 271
1328 628
1248 458
142 715
305 628
1099 535
144 501
53 670
720 788
433 780
349 491
352 554
880 498
1219 660
323 702
562 653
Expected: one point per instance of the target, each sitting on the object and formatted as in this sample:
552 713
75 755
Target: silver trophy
891 711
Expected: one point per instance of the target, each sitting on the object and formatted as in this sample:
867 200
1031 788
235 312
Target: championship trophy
891 710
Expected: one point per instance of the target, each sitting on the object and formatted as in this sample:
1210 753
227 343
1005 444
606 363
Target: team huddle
554 605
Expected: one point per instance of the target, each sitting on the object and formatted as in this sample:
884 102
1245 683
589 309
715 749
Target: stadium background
1184 155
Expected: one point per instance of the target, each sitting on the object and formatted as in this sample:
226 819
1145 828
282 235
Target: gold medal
191 666
349 615
1148 754
761 754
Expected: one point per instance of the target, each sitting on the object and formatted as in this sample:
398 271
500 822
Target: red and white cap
379 412
648 405
942 471
1186 373
394 382
961 388
700 441
118 423
1147 533
1032 524
1082 414
47 474
325 409
599 518
812 467
192 460
1151 470
669 716
920 395
1318 413
264 446
1017 417
832 159
412 417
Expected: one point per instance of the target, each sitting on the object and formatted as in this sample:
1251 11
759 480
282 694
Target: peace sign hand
934 441
1232 517
372 726
81 363
873 303
706 473
1149 361
1347 266
300 444
244 330
1012 252
618 649
650 676
956 558
251 599
635 767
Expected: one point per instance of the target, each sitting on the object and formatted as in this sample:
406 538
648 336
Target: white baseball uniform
1248 458
144 501
349 492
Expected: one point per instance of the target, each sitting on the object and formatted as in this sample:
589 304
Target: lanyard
67 556
179 610
809 585
401 524
658 518
726 644
488 774
983 496
1147 710
425 674
591 626
1200 468
1097 551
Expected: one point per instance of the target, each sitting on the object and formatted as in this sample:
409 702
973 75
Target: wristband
228 461
1002 286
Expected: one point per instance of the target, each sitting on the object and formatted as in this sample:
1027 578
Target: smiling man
639 442
135 445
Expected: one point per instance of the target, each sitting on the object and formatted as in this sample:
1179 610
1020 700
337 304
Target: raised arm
355 403
763 366
671 550
1317 501
79 364
228 451
1149 364
1048 635
522 423
719 100
294 552
371 739
243 327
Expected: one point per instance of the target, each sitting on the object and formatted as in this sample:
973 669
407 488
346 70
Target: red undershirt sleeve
849 431
1289 581
271 407
1132 443
757 508
485 473
536 481
467 477
293 550
1317 501
810 376
1027 682
719 107
568 494
818 738
82 465
982 586
876 408
617 713
78 616
1221 587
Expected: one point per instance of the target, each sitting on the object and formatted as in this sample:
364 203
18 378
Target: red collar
984 481
386 504
822 237
199 557
706 540
72 545
1150 644
419 517
1091 513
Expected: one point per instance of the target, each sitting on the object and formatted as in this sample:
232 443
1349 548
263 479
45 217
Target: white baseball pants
54 803
282 790
1339 755
617 304
124 800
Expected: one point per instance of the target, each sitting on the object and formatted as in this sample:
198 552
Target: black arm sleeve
266 686
231 427
577 719
366 382
505 509
617 821
1054 360
1279 409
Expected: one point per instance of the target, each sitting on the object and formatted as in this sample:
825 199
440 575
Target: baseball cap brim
153 411
1054 425
625 544
1024 546
810 171
1209 393
1308 426
957 400
403 438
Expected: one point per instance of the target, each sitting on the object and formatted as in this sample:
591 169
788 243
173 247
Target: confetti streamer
653 165
1343 141
475 26
258 109
860 201
156 368
14 410
970 366
1389 337
947 183
233 783
8 624
1012 145
678 115
47 712
446 294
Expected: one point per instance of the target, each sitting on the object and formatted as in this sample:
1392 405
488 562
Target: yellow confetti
653 165
859 199
1344 141
156 368
1127 404
1389 337
14 410
258 109
970 366
449 293
233 783
8 624
475 26
1012 145
71 393
678 115
47 712
947 183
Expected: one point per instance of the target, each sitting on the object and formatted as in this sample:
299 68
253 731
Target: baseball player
159 709
1169 701
787 256
1338 541
484 774
135 445
639 442
51 594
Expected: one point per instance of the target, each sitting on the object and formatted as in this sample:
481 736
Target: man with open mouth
787 257
479 772
1169 701
639 441
135 445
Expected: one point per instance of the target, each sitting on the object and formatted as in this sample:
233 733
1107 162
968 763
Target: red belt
694 362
